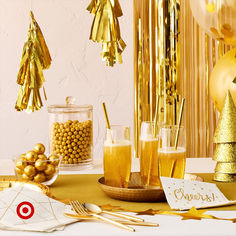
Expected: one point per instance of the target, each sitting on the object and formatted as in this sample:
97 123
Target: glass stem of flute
179 123
107 121
156 116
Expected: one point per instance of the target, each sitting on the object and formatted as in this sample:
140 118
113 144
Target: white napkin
44 213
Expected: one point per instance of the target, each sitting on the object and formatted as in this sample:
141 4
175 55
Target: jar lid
69 107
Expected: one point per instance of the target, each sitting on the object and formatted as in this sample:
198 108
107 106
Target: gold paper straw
107 121
106 116
156 116
179 123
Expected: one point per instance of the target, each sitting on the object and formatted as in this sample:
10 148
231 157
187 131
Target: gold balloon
221 79
29 170
40 164
50 170
40 177
54 159
217 18
31 156
42 157
39 148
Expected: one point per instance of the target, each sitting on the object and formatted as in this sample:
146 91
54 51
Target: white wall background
77 70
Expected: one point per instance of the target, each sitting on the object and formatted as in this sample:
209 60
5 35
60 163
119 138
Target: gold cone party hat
226 167
225 152
226 128
222 177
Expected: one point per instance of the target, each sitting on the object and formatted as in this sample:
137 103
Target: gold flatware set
89 211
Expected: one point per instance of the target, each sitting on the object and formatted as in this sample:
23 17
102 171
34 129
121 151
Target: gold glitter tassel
35 58
106 30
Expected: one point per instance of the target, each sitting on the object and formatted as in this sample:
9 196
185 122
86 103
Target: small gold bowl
42 170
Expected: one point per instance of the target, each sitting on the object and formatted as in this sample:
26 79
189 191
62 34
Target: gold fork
81 210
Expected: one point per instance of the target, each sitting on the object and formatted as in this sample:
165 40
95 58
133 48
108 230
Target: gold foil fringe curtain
106 30
173 57
156 62
35 59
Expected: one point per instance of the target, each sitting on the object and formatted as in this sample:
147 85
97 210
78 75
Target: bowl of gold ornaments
34 165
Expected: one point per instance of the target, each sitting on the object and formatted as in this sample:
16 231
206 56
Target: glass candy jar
71 133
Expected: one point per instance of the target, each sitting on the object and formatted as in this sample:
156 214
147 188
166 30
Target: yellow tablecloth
85 188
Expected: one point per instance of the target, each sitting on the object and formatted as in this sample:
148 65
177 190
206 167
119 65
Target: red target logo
25 210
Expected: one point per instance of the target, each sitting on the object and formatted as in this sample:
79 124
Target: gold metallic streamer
35 59
156 64
106 30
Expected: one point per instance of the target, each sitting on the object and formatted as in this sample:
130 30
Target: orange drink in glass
172 160
117 156
149 154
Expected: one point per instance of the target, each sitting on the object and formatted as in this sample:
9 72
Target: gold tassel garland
106 30
35 59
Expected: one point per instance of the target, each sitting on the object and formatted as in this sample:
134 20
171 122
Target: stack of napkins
22 208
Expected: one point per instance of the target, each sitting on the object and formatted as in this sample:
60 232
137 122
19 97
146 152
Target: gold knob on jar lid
70 100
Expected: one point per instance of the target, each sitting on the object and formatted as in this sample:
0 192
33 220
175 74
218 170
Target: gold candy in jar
39 148
71 132
36 166
31 156
72 140
40 177
50 169
40 164
29 170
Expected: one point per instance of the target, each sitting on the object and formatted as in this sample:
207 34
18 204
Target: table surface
169 225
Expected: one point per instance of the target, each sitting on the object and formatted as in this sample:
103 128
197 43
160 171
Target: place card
183 194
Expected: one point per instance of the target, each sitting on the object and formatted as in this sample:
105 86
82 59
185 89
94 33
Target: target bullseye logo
25 210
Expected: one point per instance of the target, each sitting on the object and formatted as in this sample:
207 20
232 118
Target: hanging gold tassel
106 30
35 59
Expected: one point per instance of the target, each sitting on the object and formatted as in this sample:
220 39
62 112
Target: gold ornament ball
42 157
30 170
39 178
31 156
221 79
50 170
20 164
40 164
26 177
54 159
39 148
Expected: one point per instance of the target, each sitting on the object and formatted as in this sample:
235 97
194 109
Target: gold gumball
39 148
22 157
20 164
40 164
50 170
18 171
26 177
42 157
40 177
29 170
31 156
48 177
54 159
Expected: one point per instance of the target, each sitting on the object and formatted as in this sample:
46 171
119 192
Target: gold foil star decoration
35 59
106 30
150 212
109 207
